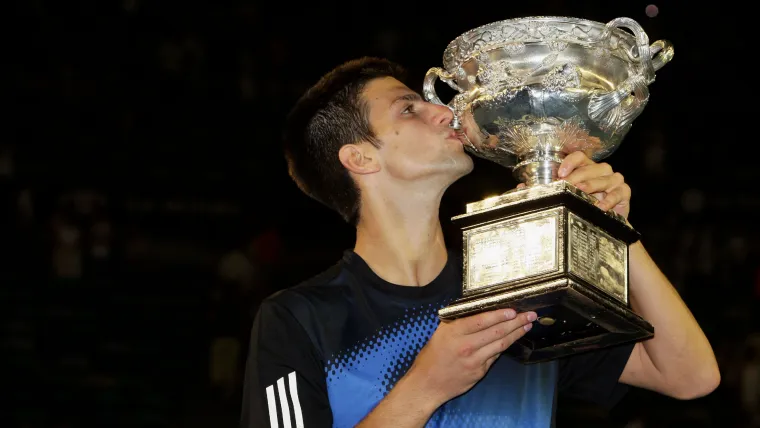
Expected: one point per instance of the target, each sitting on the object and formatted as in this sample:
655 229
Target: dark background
147 207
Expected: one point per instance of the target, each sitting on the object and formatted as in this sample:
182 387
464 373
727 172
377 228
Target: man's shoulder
320 292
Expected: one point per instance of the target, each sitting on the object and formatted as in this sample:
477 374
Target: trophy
534 90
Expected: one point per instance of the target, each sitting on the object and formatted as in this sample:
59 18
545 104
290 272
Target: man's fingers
601 184
587 172
484 320
497 347
499 331
620 194
572 162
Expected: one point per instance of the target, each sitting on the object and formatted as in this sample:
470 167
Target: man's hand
460 352
455 358
598 180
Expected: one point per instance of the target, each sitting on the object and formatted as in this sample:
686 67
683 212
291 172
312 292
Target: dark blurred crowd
147 211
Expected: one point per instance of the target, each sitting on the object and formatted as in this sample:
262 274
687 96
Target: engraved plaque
512 249
556 254
597 258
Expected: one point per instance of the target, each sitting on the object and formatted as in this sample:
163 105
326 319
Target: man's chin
464 167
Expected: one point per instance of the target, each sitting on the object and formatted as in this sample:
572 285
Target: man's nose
442 115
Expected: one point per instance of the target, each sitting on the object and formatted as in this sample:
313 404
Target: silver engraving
545 87
597 258
513 249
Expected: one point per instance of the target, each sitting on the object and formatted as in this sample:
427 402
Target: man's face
417 142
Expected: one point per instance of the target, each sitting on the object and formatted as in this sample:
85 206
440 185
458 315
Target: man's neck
402 241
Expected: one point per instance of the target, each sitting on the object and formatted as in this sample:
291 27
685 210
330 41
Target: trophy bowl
530 91
545 87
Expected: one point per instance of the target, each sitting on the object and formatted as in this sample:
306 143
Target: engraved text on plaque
513 249
597 258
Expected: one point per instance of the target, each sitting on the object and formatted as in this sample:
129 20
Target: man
360 344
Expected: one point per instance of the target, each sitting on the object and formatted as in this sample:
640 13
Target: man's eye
408 109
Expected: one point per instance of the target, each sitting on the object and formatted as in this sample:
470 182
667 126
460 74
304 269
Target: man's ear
359 158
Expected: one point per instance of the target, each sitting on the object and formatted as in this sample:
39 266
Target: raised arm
678 361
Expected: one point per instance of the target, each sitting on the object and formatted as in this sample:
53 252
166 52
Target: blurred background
147 209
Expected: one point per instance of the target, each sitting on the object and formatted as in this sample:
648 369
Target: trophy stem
538 168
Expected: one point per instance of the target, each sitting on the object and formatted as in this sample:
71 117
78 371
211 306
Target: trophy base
548 249
572 318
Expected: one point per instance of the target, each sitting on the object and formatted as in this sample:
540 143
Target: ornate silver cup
530 91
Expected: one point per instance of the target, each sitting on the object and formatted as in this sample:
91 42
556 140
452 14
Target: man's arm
678 361
284 377
457 356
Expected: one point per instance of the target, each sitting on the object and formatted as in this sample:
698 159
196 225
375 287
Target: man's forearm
679 352
407 405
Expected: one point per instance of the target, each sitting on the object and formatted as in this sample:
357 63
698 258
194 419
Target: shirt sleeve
594 376
284 384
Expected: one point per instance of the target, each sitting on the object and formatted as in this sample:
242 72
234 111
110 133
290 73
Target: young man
361 345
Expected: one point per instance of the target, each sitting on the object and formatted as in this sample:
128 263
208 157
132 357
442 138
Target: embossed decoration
565 136
514 48
562 77
498 73
512 34
541 80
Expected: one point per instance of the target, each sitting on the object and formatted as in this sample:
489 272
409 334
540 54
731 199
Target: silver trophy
530 91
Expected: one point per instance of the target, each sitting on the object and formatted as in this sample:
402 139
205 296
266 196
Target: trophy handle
664 53
619 108
428 90
640 53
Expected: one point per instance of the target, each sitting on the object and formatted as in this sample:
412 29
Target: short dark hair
331 114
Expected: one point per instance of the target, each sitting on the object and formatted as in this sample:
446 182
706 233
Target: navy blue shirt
325 352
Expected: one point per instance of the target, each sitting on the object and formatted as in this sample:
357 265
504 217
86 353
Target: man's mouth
455 136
